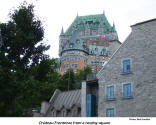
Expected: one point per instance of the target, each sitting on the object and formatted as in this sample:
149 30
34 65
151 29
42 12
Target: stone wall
140 48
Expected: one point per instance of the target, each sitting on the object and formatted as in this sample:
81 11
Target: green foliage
82 75
67 81
27 75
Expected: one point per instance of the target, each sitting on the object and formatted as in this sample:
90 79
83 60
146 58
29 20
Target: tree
22 54
67 81
22 38
82 75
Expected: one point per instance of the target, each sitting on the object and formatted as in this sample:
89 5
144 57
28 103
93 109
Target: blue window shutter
108 92
127 90
112 92
126 66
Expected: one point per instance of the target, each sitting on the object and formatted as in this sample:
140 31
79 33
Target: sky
56 14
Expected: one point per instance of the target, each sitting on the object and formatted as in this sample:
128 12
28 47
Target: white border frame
131 89
109 86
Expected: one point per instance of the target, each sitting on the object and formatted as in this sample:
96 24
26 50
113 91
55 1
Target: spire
103 12
113 28
77 14
62 31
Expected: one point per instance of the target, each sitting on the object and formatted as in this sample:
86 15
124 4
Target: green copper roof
75 43
94 20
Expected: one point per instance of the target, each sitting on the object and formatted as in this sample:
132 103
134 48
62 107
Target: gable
140 47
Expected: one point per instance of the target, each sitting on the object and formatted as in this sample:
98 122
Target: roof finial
62 31
77 14
113 26
103 12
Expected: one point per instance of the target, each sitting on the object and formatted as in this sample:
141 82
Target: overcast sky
58 13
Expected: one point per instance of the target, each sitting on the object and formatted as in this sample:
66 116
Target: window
78 41
74 113
63 114
126 66
71 45
53 113
92 52
78 59
110 112
74 65
96 49
93 70
110 93
127 90
66 65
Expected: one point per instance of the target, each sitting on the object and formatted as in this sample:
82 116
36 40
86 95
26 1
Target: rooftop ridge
70 91
91 15
143 22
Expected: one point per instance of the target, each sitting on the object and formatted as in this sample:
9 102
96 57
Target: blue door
90 105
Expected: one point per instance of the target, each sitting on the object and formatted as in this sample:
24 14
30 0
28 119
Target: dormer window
92 51
78 41
71 45
96 49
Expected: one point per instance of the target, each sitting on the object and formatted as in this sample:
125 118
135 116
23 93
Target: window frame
110 109
66 66
123 90
113 97
74 65
125 71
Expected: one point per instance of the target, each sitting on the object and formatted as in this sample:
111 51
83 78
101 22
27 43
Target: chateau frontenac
89 41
